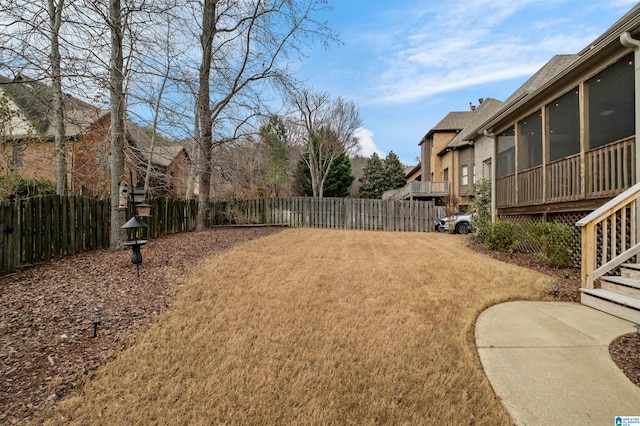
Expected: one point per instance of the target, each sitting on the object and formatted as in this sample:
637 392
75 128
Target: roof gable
455 120
35 101
482 113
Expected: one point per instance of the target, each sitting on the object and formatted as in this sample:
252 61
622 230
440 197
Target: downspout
493 173
628 41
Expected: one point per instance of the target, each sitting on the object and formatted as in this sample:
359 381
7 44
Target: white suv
461 223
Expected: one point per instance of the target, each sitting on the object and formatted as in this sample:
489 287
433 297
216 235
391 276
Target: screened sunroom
572 148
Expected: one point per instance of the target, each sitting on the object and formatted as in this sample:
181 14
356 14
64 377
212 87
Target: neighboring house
437 163
471 153
413 173
29 149
32 152
435 168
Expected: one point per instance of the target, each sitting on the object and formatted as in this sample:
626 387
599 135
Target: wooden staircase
611 242
617 295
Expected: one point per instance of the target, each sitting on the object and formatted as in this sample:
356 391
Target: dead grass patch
315 327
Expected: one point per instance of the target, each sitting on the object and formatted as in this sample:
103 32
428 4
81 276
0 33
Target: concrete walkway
549 363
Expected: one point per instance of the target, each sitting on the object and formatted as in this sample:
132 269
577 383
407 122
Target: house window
564 126
18 155
530 141
611 103
486 169
507 152
464 175
445 175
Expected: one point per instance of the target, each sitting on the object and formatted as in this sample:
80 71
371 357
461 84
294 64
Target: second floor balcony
418 190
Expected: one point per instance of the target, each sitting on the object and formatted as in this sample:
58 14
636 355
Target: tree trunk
55 21
117 137
194 152
204 108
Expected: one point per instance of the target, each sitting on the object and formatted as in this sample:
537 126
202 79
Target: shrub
481 219
500 236
556 242
21 187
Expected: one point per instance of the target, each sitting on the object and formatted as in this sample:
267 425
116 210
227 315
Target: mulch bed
46 346
624 350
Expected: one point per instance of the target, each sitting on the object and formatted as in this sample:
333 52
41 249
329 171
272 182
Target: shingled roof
555 66
454 121
482 113
35 101
162 155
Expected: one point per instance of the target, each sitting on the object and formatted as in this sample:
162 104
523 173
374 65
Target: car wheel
463 228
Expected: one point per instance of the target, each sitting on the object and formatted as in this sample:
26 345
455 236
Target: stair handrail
588 225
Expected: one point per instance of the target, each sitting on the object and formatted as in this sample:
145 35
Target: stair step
630 270
621 306
621 285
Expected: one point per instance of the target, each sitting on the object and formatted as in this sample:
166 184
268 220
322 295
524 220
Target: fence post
588 254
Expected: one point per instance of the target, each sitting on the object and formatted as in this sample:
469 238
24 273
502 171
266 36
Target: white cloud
365 142
462 44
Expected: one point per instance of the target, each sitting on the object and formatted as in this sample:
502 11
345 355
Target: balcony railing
418 189
608 170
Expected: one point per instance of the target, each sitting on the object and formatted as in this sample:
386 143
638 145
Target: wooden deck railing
563 179
506 191
609 170
609 236
417 188
530 185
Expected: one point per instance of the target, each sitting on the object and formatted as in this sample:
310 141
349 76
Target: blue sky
407 64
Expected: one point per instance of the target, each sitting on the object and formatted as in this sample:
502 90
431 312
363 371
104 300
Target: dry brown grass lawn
315 327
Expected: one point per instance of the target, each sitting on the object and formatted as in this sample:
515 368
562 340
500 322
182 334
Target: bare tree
117 109
247 45
325 127
55 22
27 35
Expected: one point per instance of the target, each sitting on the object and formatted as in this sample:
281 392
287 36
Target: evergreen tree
382 175
273 137
373 182
394 172
338 180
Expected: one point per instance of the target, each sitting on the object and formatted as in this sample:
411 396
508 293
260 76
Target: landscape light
556 289
95 320
143 210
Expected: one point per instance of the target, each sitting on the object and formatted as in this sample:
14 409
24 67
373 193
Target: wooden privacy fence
43 228
337 213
